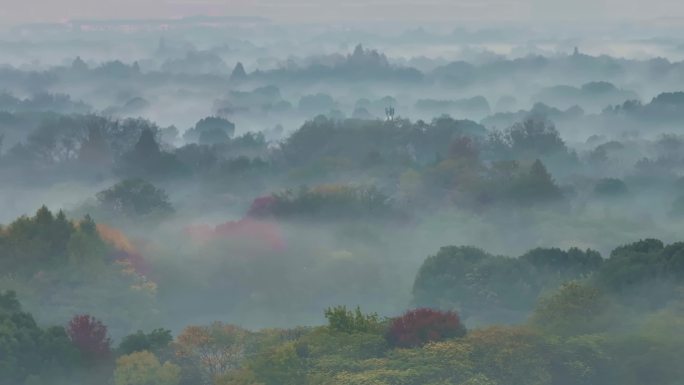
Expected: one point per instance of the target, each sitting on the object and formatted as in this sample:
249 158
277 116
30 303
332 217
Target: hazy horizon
512 11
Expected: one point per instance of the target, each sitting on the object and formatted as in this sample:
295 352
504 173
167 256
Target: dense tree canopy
203 227
210 130
28 350
481 285
135 197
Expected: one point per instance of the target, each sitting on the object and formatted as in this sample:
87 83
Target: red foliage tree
420 326
259 232
89 336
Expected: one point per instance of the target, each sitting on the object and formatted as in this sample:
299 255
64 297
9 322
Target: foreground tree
217 348
420 326
26 350
342 320
575 309
89 335
143 368
511 356
283 365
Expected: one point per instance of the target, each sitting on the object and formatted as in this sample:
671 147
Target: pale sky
21 11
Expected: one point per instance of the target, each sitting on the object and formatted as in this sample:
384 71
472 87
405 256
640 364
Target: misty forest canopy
579 316
229 201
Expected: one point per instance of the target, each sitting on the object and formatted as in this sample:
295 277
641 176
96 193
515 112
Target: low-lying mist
235 201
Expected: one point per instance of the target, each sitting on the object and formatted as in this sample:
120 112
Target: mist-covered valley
227 200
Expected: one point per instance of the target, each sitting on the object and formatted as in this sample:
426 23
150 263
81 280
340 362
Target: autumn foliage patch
258 232
420 326
89 336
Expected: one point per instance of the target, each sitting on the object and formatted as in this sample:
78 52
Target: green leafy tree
86 249
557 264
341 319
536 186
510 355
26 350
535 137
134 198
156 341
34 243
575 309
475 283
147 159
143 368
283 365
211 130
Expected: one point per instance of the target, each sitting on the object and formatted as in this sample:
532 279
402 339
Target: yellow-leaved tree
143 368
